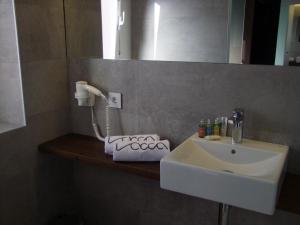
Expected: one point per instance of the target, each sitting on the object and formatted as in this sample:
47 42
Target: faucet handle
238 115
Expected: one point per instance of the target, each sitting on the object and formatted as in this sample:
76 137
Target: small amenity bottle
201 131
217 127
208 128
224 121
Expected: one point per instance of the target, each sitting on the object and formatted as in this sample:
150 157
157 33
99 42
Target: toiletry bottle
220 123
202 127
208 128
217 127
224 121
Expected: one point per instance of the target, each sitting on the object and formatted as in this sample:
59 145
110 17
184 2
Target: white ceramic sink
246 175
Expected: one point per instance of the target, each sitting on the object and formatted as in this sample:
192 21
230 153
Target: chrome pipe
223 214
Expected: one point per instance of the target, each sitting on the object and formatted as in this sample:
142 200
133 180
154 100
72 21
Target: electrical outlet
115 100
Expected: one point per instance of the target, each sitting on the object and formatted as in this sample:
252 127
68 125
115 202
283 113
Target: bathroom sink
247 175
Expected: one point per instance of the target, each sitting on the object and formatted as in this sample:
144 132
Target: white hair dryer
85 94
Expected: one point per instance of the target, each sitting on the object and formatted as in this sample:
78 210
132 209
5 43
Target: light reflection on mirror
156 26
292 54
109 24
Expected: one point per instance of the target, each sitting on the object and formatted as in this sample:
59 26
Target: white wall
11 96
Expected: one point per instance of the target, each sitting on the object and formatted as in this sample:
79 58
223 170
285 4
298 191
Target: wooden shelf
90 150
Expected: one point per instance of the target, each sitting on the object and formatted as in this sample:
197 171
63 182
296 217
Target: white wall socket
114 100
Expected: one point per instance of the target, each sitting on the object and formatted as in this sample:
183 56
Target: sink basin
247 175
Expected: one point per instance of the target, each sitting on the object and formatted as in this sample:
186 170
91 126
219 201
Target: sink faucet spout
237 121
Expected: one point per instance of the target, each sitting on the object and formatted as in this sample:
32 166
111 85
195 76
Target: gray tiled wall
109 197
170 98
34 187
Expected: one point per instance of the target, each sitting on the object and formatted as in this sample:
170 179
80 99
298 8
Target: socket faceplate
115 100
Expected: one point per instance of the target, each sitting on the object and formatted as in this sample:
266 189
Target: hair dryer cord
95 125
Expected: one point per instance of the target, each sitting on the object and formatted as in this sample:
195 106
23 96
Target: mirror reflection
220 31
173 30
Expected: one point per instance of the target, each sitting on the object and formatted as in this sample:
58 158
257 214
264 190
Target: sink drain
228 171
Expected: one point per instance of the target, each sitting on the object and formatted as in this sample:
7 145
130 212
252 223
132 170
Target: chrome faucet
237 120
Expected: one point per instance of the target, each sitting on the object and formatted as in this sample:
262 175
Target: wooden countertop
89 149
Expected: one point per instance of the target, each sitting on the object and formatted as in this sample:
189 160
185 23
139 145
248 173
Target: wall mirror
221 31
